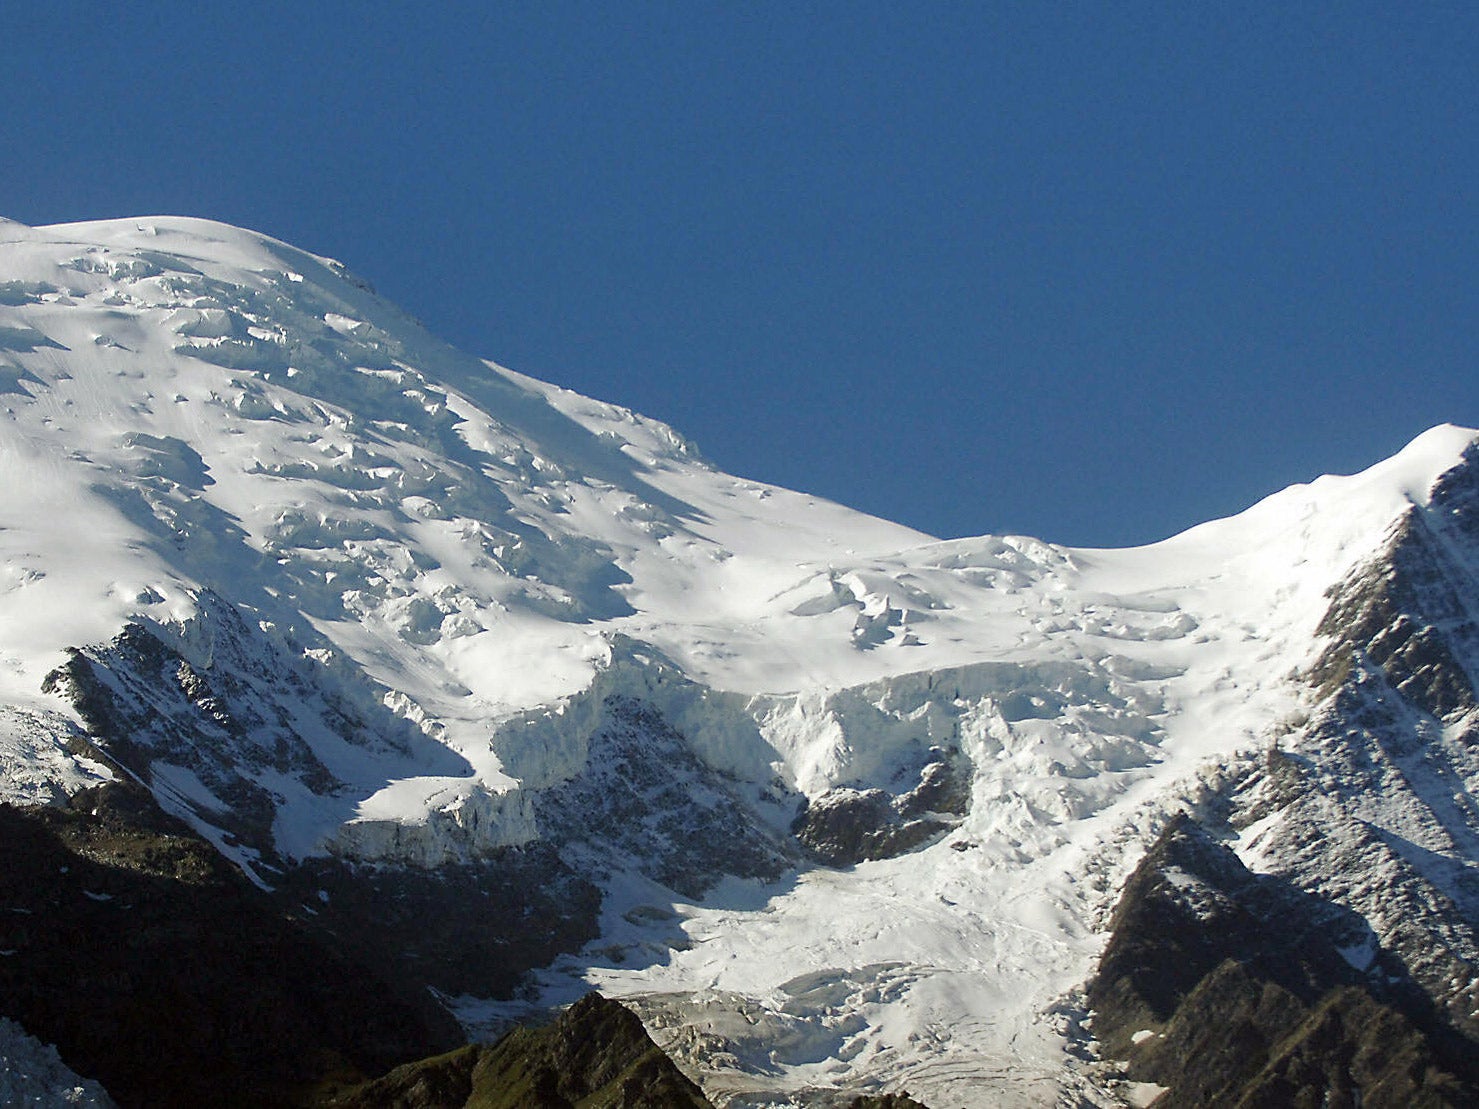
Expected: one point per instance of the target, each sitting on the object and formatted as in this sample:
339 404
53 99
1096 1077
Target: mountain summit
514 692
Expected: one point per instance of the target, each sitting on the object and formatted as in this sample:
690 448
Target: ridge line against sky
1092 273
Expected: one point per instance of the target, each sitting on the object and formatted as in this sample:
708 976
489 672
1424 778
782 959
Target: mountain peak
1419 465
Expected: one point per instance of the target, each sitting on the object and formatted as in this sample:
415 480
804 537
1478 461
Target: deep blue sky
1089 272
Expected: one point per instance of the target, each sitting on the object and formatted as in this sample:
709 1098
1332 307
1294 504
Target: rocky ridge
1346 967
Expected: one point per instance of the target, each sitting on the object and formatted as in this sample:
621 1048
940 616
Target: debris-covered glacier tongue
507 688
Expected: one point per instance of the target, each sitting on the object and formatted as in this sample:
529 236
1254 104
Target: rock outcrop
157 969
1225 988
596 1055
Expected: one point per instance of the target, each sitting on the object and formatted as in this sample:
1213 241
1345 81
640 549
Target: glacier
334 590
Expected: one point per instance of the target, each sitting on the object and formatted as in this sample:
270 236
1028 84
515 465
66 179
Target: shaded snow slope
331 586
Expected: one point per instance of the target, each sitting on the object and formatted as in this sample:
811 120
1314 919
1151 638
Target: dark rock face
596 1055
157 969
646 798
1412 610
884 1101
1382 825
246 716
1224 987
845 826
1403 614
469 928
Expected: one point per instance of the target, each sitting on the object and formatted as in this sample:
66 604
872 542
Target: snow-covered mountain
834 805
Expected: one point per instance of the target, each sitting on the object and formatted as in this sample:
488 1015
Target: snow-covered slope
334 589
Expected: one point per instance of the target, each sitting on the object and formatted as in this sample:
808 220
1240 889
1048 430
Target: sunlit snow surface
191 407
